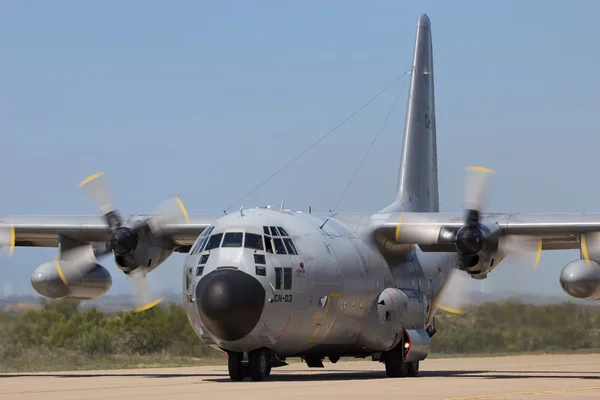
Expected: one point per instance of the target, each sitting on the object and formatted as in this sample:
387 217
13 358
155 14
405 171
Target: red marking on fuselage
285 327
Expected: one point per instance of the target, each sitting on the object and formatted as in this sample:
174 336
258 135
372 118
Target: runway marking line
105 388
495 396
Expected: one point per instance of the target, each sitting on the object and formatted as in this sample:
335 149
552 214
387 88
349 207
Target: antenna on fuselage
282 204
241 211
309 209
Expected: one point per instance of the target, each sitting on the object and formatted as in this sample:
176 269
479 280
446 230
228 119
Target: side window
277 278
214 241
253 241
287 279
199 270
279 247
203 245
268 245
196 245
204 259
290 246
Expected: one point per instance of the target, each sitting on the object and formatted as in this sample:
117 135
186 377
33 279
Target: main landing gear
396 367
257 367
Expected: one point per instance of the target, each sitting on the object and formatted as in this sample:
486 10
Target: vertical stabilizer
418 175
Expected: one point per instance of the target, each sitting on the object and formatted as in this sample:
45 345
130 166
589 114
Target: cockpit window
266 230
253 241
279 247
233 239
274 231
268 245
282 231
290 246
214 241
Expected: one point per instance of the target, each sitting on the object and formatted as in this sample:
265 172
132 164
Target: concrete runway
526 377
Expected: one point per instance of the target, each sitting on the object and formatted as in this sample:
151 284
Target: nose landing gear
257 366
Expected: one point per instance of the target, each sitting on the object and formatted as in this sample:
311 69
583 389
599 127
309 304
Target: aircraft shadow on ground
330 375
103 375
347 375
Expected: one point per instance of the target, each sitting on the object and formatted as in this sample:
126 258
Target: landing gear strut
257 368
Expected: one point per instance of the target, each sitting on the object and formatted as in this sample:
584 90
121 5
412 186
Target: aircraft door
324 318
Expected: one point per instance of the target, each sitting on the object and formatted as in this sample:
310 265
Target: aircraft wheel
258 365
413 369
236 369
269 370
394 367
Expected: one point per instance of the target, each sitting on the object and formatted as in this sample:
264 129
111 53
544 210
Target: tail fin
418 176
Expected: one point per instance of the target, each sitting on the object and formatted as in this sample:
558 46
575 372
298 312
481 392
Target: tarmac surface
523 377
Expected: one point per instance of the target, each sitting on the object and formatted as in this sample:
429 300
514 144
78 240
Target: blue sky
207 99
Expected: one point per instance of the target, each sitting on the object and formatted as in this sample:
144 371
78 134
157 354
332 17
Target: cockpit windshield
253 241
214 241
276 240
233 239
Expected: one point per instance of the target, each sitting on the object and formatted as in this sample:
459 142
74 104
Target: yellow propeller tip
90 178
149 305
480 169
12 241
60 272
451 310
183 209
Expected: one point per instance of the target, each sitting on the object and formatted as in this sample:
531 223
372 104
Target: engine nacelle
150 251
581 279
47 282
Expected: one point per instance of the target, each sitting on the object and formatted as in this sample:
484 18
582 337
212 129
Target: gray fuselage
326 299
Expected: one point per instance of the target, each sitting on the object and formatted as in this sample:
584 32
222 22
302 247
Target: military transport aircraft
264 284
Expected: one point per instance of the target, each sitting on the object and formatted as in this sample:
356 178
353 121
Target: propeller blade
97 189
7 239
141 290
476 187
77 262
524 248
416 228
170 211
456 295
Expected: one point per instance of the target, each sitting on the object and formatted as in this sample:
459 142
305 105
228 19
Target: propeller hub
123 241
469 240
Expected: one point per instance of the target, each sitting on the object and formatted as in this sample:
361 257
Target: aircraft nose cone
230 303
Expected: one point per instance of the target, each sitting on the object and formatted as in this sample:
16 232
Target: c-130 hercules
266 284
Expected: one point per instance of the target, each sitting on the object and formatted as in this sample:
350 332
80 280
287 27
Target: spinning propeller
471 238
122 240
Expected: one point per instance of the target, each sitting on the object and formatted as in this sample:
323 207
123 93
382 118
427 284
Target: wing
44 231
556 231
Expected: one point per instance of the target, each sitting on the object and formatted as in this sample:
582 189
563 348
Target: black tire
258 365
413 369
236 370
394 367
269 370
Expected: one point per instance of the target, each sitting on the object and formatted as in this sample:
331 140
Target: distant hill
107 303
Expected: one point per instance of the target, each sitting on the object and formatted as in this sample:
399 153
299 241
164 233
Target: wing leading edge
556 231
44 231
